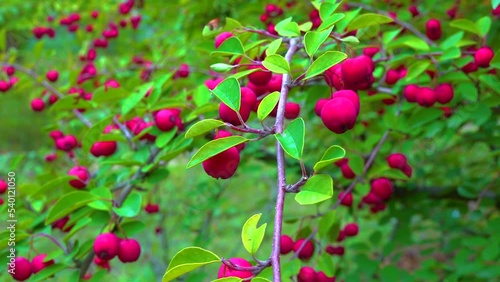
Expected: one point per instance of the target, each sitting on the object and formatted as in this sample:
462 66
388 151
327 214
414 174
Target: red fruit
165 120
452 12
444 93
483 57
102 263
496 11
341 236
263 18
339 115
56 134
225 271
39 262
9 70
307 274
52 75
183 71
221 38
82 174
271 28
347 171
307 250
348 94
66 143
426 97
152 208
275 83
410 92
371 198
413 10
37 104
103 148
61 223
292 110
4 86
333 77
470 67
258 90
321 277
335 250
382 187
347 200
21 269
106 246
129 250
392 77
3 186
397 161
433 29
212 83
94 14
286 243
377 207
351 229
319 106
223 165
50 157
261 77
407 170
248 97
370 51
228 115
357 73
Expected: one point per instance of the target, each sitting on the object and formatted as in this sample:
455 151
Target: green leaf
324 62
188 259
424 116
133 227
412 42
317 189
483 25
105 202
131 206
221 67
465 24
495 3
357 164
329 226
450 54
273 46
350 40
68 203
314 39
59 182
416 69
202 127
326 9
241 74
48 272
111 95
330 21
229 92
368 19
267 105
93 134
452 41
251 235
165 137
292 139
213 148
290 29
79 225
305 27
277 64
230 46
331 155
131 101
229 279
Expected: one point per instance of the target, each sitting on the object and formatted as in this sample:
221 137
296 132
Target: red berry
307 250
351 229
410 92
152 208
407 170
223 165
348 94
104 148
37 104
286 244
347 200
444 93
106 246
397 160
339 115
21 269
413 10
392 77
370 51
433 29
165 119
426 97
225 271
129 250
4 86
347 171
228 115
292 110
483 57
260 77
82 174
307 274
52 75
321 277
39 262
3 186
382 187
221 38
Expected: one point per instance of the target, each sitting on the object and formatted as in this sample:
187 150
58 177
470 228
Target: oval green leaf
131 101
131 206
165 137
188 259
331 155
251 235
277 64
68 203
368 19
324 62
314 39
229 92
230 46
317 189
213 148
292 139
267 105
273 46
202 127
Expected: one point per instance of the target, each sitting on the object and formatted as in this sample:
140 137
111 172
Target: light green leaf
202 127
131 101
229 92
331 155
465 24
292 139
244 73
368 19
326 9
230 46
68 203
424 116
251 235
105 204
290 29
415 69
317 189
188 259
273 46
324 62
452 40
330 21
357 164
314 39
213 148
267 105
483 25
350 40
229 279
165 137
131 206
277 64
221 67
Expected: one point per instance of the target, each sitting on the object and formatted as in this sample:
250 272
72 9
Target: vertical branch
280 158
